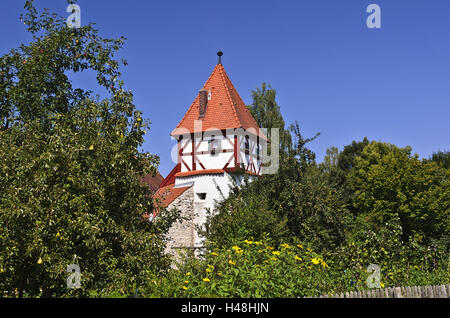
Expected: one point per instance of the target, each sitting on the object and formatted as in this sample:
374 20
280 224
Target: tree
442 158
70 190
267 114
346 159
389 182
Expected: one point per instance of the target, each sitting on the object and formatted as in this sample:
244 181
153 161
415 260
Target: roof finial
219 54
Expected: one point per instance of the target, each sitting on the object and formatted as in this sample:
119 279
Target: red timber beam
180 153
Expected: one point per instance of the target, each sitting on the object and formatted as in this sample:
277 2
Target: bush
248 269
253 269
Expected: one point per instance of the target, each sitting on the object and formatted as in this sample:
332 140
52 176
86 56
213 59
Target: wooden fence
439 291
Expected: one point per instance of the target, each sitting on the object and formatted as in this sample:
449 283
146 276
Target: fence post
430 292
397 292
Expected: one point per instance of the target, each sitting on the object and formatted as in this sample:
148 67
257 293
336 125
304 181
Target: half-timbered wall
230 151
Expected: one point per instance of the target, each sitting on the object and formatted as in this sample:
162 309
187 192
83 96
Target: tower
218 143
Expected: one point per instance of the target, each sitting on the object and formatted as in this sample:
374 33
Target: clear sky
331 72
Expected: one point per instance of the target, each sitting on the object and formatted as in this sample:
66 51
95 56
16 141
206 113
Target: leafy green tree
388 181
442 158
337 165
346 159
244 214
70 190
267 114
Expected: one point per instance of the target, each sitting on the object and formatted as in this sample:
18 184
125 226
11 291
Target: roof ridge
222 75
226 108
240 100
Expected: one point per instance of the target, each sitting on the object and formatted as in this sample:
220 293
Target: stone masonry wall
182 235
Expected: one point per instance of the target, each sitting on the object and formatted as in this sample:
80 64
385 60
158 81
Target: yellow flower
276 253
315 261
206 280
324 264
270 248
39 261
58 235
285 245
186 282
382 285
220 274
274 259
238 249
187 274
231 262
208 270
214 254
298 258
185 288
248 242
91 148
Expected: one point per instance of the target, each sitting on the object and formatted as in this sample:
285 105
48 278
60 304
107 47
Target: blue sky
332 73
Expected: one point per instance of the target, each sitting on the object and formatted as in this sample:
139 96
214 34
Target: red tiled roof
170 179
224 110
198 172
166 195
153 182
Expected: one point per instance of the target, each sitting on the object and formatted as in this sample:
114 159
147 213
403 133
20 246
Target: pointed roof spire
225 108
219 54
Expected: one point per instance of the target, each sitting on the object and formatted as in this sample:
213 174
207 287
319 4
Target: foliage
249 269
297 202
254 269
70 190
267 114
243 215
401 263
388 181
442 158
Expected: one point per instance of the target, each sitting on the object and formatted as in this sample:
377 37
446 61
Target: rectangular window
213 146
201 196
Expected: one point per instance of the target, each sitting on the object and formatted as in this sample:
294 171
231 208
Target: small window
201 196
213 146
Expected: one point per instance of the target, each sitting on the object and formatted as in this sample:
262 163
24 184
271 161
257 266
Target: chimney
203 98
